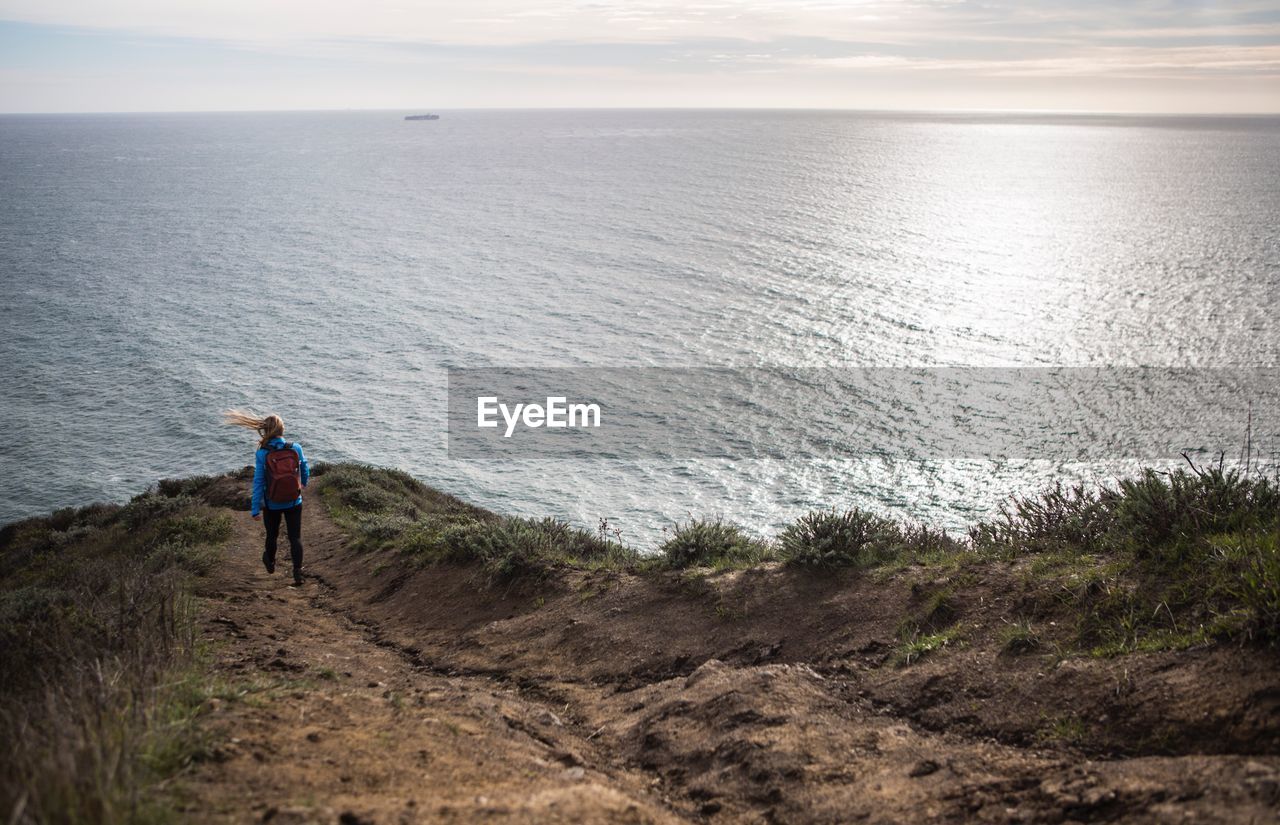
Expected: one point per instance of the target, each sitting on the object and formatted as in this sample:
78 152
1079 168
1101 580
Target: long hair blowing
267 427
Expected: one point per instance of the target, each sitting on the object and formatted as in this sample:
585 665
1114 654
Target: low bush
191 487
197 526
1155 509
508 548
712 543
198 559
829 538
379 527
1259 585
1145 514
1075 518
354 490
1188 556
514 547
389 509
149 508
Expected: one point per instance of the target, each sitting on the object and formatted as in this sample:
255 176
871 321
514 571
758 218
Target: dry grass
101 683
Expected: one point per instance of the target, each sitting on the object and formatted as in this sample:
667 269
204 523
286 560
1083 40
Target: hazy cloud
922 50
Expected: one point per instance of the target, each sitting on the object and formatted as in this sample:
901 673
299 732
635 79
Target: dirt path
329 726
369 695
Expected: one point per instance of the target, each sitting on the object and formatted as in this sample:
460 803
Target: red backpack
284 481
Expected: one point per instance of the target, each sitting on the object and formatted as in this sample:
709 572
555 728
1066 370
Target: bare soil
382 693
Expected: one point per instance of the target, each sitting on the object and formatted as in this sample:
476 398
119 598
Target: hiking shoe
297 577
268 563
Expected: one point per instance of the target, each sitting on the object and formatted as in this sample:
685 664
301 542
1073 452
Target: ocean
331 266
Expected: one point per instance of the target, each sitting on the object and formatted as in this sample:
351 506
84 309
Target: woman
280 472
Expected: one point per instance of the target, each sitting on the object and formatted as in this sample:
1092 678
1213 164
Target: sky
1180 56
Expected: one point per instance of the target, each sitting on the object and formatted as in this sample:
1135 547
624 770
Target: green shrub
1259 588
1152 511
425 539
381 527
391 509
359 489
578 545
828 538
514 547
30 603
199 527
1074 518
191 487
505 548
701 543
924 542
148 508
369 498
199 559
1161 508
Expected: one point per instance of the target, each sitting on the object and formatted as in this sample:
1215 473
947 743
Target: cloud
592 43
1125 62
499 22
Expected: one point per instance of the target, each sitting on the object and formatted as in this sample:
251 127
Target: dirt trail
384 697
336 728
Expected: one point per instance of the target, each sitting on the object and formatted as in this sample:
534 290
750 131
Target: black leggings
293 524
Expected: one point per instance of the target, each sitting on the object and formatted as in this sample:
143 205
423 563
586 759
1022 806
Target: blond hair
268 427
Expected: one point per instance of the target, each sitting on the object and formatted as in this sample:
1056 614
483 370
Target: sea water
331 266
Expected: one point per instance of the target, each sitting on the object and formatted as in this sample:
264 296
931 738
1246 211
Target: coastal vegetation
390 510
1162 560
102 679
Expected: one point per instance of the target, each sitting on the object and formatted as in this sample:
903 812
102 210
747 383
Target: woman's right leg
271 518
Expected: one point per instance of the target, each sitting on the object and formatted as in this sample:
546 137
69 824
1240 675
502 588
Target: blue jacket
260 476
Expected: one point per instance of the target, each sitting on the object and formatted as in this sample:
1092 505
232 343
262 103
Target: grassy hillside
101 680
1161 561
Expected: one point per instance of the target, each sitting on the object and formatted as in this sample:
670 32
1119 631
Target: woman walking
280 471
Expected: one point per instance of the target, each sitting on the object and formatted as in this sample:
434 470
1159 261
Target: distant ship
422 117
